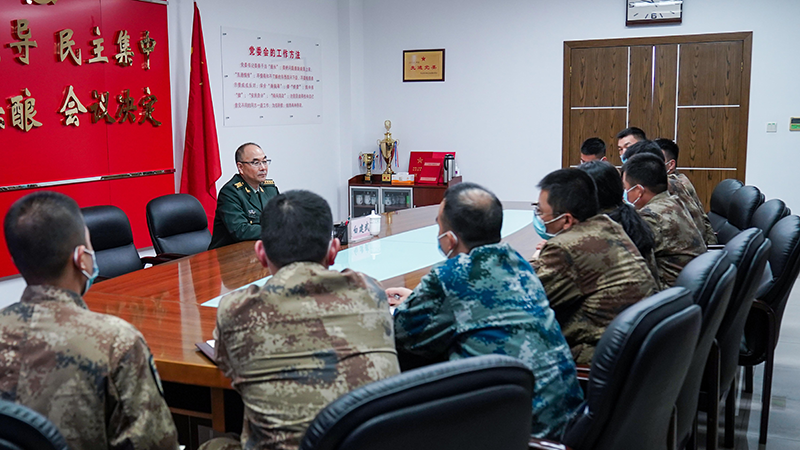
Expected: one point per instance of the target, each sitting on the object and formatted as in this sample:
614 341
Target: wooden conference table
164 301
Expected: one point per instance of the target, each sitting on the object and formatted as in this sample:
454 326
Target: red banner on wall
85 93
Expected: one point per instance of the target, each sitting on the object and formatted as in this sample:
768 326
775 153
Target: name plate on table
358 229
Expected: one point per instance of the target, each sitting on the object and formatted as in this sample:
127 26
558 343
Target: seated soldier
628 137
91 374
242 199
676 188
589 267
609 195
677 239
308 336
680 185
485 298
593 149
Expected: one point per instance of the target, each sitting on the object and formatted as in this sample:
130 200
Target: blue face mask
90 277
623 159
441 250
541 226
625 197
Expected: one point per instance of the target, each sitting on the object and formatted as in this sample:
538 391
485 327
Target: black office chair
178 225
748 252
743 205
768 214
720 200
763 325
474 403
637 371
112 240
710 278
22 428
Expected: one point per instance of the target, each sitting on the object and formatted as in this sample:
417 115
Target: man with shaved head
485 298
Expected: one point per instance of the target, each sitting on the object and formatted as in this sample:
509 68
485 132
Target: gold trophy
367 159
388 148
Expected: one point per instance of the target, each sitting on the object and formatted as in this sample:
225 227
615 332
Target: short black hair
647 170
473 213
644 146
638 133
240 150
669 147
607 182
571 191
594 146
296 226
42 230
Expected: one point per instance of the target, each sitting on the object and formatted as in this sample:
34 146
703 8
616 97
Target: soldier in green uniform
241 200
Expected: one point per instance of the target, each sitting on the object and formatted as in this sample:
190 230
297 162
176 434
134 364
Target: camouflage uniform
307 337
490 301
91 374
677 239
238 214
591 273
681 187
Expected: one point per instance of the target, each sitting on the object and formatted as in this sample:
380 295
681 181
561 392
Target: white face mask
438 238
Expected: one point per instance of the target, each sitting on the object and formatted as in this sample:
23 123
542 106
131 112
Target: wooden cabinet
422 194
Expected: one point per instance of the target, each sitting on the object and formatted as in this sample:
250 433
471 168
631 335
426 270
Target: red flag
201 167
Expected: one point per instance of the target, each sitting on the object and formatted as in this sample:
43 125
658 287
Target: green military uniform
91 374
307 337
238 214
677 239
591 273
680 186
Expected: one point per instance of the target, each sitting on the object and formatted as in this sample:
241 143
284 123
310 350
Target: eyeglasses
538 211
258 163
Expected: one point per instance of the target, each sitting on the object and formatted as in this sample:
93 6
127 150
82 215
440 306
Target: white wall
303 156
500 106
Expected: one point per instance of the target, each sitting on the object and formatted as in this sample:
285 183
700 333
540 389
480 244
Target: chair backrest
112 240
474 403
22 428
743 205
637 371
178 224
710 278
780 275
720 199
747 251
768 214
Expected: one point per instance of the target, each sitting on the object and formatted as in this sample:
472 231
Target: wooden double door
692 89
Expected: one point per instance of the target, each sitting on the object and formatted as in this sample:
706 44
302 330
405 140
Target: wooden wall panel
710 73
641 88
704 182
708 137
652 95
599 77
602 123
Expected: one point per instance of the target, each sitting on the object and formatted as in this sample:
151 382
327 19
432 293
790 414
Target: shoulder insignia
247 190
238 185
268 183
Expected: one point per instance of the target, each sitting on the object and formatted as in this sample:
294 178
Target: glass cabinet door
363 200
395 199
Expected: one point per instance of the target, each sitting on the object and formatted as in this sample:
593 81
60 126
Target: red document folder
427 166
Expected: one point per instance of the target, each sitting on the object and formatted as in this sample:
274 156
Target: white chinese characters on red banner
272 84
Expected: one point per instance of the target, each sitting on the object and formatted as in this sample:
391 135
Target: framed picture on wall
423 65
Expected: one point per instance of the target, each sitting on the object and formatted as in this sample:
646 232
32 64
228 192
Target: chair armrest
583 372
544 444
716 246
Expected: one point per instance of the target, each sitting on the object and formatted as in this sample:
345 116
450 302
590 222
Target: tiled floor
784 418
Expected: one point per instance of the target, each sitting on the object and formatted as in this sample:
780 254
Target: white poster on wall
270 79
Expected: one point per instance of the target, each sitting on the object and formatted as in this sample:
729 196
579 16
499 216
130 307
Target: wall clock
643 12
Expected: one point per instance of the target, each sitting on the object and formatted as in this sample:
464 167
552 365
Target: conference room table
165 302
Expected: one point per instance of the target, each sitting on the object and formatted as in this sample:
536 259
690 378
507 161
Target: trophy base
386 177
368 178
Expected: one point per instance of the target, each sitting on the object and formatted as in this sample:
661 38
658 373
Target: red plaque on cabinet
427 166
